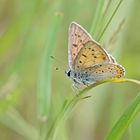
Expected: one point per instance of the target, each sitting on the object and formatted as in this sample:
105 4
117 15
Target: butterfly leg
75 88
85 84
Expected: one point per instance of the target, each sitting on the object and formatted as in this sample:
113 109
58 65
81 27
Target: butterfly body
88 61
80 77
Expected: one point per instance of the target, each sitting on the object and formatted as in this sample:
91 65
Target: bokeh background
33 86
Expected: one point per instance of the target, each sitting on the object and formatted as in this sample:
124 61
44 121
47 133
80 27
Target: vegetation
36 99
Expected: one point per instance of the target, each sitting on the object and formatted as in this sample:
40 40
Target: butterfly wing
77 38
112 59
91 54
104 71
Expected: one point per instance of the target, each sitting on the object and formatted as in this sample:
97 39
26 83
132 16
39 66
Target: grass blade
13 120
111 80
109 21
96 17
69 105
125 120
44 88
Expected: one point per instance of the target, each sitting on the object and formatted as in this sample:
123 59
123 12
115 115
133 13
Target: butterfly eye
68 73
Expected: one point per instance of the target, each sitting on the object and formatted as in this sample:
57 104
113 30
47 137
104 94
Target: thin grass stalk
109 21
96 17
101 22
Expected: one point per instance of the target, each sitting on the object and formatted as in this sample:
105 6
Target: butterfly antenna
62 63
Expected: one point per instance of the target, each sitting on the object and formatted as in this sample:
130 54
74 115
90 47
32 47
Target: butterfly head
73 76
68 73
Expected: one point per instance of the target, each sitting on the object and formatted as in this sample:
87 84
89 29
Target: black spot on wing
75 45
84 55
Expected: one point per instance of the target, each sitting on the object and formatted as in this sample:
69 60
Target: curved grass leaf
69 105
125 120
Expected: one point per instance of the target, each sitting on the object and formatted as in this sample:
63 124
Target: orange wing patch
90 55
119 71
107 71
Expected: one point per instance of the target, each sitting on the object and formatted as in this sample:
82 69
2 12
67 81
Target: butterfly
88 61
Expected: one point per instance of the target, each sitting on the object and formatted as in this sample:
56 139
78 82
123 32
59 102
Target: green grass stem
110 19
125 120
69 105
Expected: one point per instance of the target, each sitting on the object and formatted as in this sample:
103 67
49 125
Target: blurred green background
32 91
